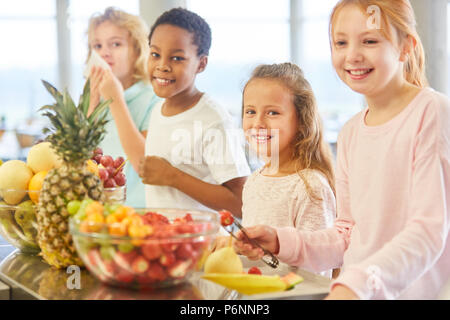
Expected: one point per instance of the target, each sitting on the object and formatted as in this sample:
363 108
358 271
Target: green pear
8 226
224 260
25 217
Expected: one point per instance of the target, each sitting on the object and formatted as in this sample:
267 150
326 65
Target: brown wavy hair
399 15
138 30
311 151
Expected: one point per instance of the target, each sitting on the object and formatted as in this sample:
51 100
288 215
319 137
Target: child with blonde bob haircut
393 167
121 41
138 32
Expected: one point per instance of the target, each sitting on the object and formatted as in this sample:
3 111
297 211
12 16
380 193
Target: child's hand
341 292
220 242
157 171
264 235
106 83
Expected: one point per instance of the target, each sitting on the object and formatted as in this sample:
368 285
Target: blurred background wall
46 39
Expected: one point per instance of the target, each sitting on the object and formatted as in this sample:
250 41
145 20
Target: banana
248 283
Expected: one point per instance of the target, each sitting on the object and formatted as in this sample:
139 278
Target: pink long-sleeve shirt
393 198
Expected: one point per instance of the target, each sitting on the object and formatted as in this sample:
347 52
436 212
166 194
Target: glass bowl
117 195
166 258
18 223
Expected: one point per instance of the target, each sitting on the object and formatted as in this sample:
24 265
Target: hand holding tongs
228 222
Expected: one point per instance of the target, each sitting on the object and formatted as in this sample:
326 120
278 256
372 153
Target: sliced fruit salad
138 248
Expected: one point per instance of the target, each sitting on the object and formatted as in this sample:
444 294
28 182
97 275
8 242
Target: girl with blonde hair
121 41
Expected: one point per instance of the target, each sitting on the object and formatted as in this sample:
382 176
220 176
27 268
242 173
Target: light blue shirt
140 100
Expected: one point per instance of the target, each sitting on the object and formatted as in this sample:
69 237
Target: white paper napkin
97 61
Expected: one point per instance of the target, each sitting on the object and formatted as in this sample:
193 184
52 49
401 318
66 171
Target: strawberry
144 279
124 276
151 251
140 265
156 272
185 228
155 218
188 217
254 270
167 259
184 251
93 258
107 269
165 231
124 260
199 245
226 218
169 246
179 269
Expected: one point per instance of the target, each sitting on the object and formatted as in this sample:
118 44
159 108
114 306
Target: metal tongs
268 257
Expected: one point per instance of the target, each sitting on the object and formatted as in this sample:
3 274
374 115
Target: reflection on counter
34 279
31 278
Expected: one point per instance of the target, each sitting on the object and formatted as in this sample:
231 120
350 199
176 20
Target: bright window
28 32
337 103
242 38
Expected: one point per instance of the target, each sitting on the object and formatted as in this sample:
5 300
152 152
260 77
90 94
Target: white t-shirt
201 142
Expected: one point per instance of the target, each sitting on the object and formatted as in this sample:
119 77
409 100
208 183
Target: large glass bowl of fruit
110 172
141 248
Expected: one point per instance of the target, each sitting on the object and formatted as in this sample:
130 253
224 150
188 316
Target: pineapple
73 136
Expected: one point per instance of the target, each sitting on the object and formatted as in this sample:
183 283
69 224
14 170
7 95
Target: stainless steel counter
30 278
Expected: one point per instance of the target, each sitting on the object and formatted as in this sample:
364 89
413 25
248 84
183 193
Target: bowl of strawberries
141 248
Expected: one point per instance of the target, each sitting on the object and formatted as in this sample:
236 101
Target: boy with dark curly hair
192 160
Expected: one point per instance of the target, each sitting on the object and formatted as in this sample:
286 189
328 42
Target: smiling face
115 46
362 57
270 117
174 63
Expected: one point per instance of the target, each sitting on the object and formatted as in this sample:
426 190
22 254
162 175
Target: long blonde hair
311 151
398 14
138 30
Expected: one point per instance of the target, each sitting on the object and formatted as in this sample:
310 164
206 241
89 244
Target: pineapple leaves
72 133
85 98
99 110
53 91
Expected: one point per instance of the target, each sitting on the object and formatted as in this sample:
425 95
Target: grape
118 162
107 161
120 179
110 183
98 151
111 171
73 206
104 174
97 158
